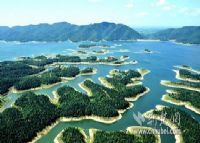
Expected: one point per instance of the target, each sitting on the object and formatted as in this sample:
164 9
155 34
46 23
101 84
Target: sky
135 13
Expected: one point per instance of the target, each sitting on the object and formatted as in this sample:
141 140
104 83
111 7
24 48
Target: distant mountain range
187 34
65 31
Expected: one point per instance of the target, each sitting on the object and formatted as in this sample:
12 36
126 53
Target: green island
81 52
50 78
186 130
104 105
91 45
133 134
183 85
94 52
88 71
9 70
100 52
187 92
187 74
189 99
147 51
71 135
110 60
186 67
124 57
29 68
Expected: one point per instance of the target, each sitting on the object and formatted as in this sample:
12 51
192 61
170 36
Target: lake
165 55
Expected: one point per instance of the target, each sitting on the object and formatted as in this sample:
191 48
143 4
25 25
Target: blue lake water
165 56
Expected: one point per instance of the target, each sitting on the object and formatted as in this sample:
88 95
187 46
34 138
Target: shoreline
135 130
183 78
134 83
86 89
105 82
91 63
88 53
143 72
58 138
106 120
181 43
121 111
171 84
187 68
131 99
55 100
187 105
64 79
94 71
45 86
149 115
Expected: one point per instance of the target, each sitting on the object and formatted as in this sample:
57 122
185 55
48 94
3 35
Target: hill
65 31
187 34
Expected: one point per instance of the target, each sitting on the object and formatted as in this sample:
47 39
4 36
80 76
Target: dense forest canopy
31 114
72 135
122 137
12 71
188 125
187 34
75 135
47 78
21 123
17 72
186 96
188 74
64 31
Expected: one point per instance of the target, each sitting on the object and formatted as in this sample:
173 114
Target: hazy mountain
65 31
187 34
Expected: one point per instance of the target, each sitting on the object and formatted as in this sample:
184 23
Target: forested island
105 105
147 51
184 85
88 71
188 126
190 99
48 78
189 77
186 92
51 77
93 45
186 67
73 134
27 68
187 74
9 70
93 52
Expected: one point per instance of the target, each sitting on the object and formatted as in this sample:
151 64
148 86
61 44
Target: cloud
130 4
